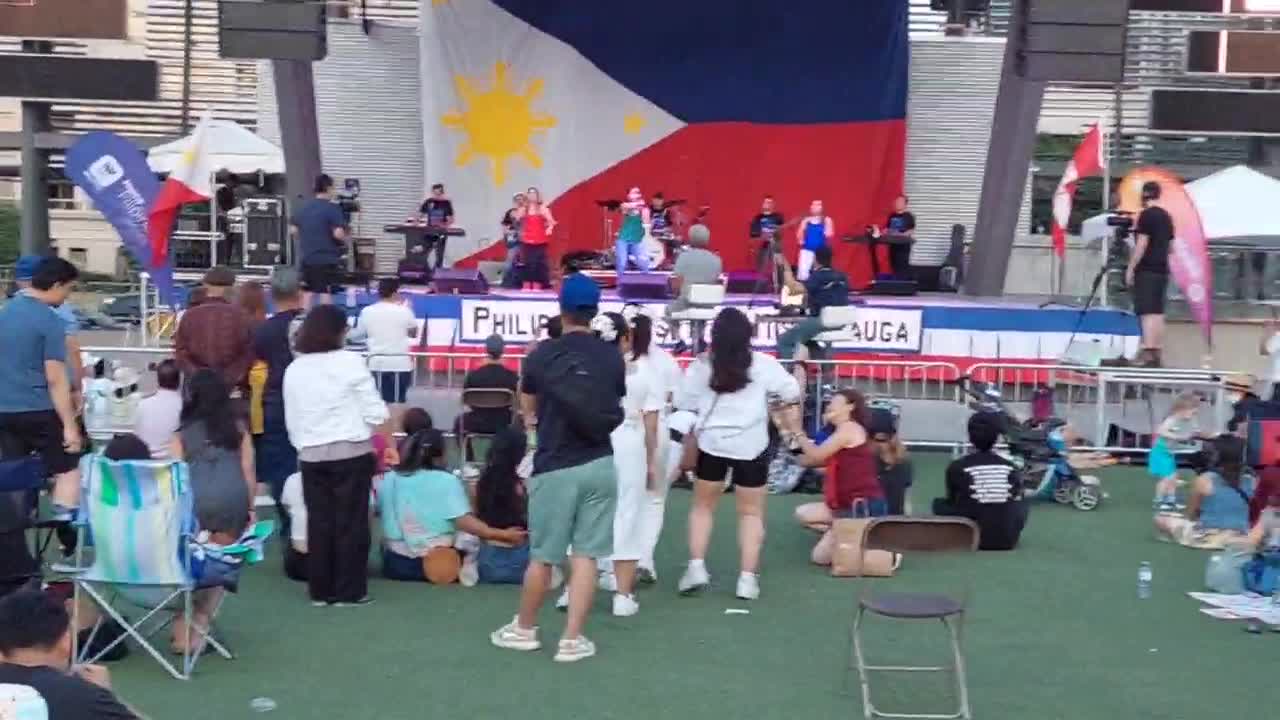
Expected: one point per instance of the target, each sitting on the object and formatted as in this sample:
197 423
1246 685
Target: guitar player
900 226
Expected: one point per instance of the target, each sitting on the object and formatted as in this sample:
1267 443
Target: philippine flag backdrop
716 101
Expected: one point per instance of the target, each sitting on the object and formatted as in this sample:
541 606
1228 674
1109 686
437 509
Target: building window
78 257
62 193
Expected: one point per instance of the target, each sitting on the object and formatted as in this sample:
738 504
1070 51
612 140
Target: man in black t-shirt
573 491
826 287
902 225
491 375
986 488
1148 271
35 640
764 227
437 210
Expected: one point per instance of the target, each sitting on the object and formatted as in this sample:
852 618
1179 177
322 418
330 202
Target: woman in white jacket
331 406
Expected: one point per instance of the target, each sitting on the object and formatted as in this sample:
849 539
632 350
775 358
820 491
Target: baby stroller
1040 449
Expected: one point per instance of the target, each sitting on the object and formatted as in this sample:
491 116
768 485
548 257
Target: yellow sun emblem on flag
499 122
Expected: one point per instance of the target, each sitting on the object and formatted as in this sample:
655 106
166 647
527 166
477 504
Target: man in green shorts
573 489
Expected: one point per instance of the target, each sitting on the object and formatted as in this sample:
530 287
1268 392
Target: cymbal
609 204
673 203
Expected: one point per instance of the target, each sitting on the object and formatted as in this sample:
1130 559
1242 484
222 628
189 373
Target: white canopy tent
233 146
1237 205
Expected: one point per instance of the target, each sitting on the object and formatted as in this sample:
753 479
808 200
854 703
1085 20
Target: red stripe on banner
855 168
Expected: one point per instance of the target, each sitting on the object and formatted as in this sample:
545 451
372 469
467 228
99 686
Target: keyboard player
437 211
897 236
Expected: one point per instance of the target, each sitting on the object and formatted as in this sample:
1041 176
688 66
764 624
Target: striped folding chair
139 514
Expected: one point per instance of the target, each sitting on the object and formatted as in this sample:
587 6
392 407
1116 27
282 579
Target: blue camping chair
148 555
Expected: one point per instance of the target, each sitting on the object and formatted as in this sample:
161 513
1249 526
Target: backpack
590 412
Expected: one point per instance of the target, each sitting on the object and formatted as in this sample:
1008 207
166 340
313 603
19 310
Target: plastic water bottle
1144 580
262 704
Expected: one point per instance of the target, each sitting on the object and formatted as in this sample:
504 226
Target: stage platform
926 327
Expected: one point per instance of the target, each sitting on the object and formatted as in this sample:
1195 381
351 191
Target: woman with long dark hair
502 502
852 487
218 451
219 454
331 408
730 390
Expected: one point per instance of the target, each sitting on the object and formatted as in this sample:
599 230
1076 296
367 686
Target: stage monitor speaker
748 282
893 287
459 282
413 270
643 286
263 232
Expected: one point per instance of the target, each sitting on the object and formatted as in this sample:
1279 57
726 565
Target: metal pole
1106 203
35 192
188 21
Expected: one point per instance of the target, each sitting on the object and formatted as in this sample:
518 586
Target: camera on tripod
348 198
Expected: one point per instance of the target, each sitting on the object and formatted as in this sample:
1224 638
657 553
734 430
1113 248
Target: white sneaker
607 582
513 637
562 602
469 575
748 586
625 605
694 580
579 648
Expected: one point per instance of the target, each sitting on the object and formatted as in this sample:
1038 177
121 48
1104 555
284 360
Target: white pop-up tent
233 146
1237 205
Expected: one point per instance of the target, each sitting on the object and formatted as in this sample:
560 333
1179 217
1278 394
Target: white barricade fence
1098 402
1105 403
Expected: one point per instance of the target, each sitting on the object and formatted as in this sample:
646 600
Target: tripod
1093 294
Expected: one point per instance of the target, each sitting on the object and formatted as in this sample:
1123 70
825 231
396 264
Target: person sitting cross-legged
986 488
422 509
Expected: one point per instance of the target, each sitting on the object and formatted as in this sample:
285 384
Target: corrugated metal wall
369 110
953 93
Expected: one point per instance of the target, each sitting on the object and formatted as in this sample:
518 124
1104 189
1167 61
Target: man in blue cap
571 391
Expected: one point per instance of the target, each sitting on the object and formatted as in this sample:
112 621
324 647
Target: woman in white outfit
666 373
634 443
730 390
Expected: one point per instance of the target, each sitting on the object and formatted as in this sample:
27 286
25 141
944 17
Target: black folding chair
916 535
23 536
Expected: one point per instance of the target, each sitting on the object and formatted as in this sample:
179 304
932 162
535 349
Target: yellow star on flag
499 122
633 123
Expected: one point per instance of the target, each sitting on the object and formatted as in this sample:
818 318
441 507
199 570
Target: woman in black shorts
730 389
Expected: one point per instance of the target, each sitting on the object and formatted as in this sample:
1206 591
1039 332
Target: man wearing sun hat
573 491
1244 401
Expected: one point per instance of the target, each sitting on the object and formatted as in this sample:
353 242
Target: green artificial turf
1056 631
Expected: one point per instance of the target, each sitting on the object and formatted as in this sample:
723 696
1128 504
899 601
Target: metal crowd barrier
1093 400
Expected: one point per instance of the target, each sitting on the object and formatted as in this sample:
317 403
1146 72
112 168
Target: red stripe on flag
173 194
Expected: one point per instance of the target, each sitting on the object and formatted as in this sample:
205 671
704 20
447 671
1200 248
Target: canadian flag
191 181
1087 161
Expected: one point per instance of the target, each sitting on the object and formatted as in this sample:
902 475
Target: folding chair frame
954 623
142 633
955 628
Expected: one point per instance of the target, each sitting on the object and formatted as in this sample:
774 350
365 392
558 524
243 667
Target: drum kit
663 244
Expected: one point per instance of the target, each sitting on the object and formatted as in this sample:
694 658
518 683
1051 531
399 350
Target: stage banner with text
716 102
877 329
